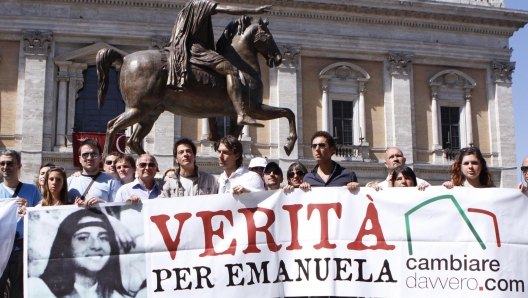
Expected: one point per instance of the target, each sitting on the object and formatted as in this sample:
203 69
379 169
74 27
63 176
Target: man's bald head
394 158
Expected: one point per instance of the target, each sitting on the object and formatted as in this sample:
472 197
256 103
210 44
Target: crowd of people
124 179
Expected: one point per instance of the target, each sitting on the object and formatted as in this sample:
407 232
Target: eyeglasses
7 163
321 145
524 169
145 164
467 148
91 154
276 171
292 174
110 162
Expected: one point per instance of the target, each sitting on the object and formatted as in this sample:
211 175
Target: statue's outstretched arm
220 8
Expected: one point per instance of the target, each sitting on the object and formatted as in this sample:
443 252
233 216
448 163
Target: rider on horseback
192 36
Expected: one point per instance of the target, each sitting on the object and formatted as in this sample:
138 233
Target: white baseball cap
258 162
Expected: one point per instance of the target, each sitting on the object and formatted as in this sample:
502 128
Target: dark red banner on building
118 145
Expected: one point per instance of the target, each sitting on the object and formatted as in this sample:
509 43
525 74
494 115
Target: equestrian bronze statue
199 82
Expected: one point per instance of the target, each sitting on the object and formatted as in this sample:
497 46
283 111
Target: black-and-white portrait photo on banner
85 252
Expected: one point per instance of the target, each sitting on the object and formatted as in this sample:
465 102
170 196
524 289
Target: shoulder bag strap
90 185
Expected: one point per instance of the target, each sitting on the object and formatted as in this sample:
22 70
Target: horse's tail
103 61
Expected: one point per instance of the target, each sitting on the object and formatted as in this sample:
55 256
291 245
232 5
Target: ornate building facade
429 77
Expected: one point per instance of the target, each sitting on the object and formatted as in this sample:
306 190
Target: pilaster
287 97
502 79
400 68
163 134
36 49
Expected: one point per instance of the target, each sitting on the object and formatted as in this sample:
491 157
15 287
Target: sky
519 43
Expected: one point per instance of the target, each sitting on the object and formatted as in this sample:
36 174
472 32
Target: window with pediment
451 109
343 102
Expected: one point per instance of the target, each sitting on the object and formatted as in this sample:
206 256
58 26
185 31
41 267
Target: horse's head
265 44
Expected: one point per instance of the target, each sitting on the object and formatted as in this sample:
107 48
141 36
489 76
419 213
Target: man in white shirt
394 158
104 187
235 178
144 187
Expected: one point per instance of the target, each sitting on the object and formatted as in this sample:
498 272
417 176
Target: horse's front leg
213 135
265 112
143 128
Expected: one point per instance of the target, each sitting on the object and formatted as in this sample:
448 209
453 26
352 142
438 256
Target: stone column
287 77
437 147
36 49
361 138
469 118
205 128
62 103
324 106
400 67
206 146
502 79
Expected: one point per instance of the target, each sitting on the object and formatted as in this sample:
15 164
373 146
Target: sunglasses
7 163
145 164
321 145
292 174
276 171
524 169
110 162
90 154
467 148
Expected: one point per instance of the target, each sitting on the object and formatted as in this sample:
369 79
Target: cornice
428 15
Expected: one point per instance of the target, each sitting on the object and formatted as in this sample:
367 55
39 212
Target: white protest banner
398 242
8 222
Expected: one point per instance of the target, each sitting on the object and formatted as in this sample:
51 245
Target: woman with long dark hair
55 189
84 259
470 170
295 175
403 176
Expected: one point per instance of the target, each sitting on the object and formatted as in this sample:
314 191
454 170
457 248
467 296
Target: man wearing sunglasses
92 186
273 176
235 179
144 187
109 164
27 195
327 172
524 170
394 158
187 180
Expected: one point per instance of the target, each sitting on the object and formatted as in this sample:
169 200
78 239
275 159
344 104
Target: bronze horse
143 78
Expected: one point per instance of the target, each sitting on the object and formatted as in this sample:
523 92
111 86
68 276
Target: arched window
88 117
